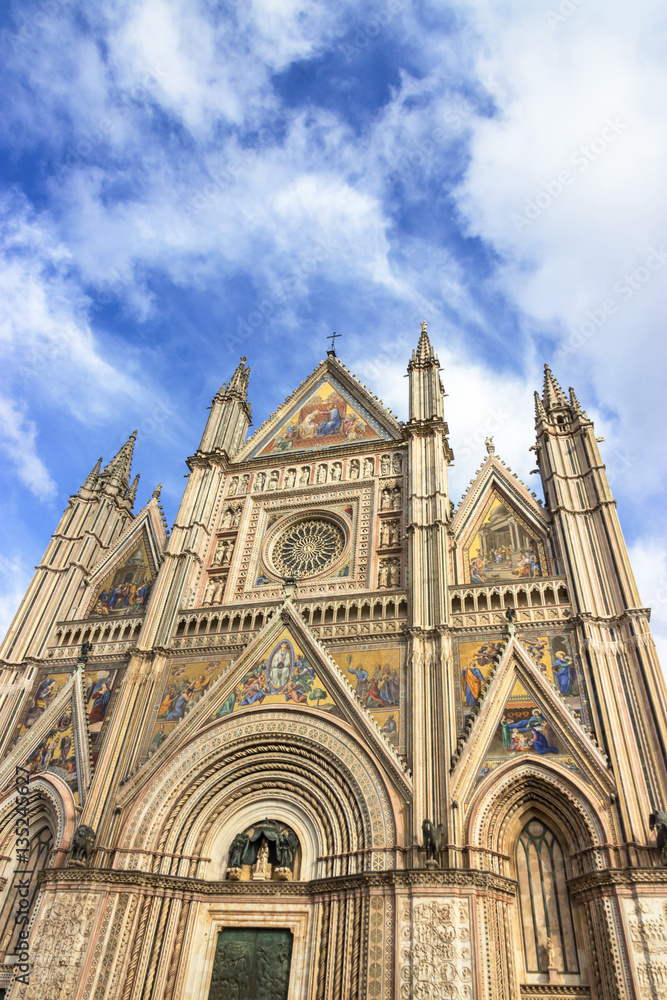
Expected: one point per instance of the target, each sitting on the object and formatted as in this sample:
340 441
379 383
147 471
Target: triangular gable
58 742
500 530
284 665
331 408
522 714
121 581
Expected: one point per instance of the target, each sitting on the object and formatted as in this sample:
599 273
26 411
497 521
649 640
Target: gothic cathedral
334 738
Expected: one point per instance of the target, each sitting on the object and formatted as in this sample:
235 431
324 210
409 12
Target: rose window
307 548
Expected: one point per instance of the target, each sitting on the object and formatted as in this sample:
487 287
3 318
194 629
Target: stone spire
553 396
131 494
540 412
157 491
230 416
424 354
90 482
238 384
576 405
117 472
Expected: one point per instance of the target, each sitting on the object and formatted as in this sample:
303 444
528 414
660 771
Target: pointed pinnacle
424 348
552 394
239 380
575 404
120 464
90 482
157 491
540 412
131 494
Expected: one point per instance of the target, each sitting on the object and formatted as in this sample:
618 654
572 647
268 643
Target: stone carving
321 474
435 958
228 518
258 484
336 472
244 483
237 849
390 533
385 465
394 569
369 467
82 845
261 870
209 593
658 821
510 617
396 464
61 937
290 478
233 486
647 926
273 480
304 478
354 468
490 446
307 547
390 498
432 843
551 952
383 574
287 846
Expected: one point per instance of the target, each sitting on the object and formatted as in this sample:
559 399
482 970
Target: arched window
544 901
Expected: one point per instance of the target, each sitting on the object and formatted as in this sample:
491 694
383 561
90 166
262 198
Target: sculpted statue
260 479
658 821
321 474
244 483
396 464
262 869
290 478
551 954
82 845
236 850
432 842
385 465
233 486
354 468
369 467
305 475
273 480
287 846
336 471
490 446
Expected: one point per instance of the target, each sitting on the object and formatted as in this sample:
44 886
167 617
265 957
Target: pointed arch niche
541 828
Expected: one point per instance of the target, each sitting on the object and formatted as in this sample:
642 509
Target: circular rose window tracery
308 547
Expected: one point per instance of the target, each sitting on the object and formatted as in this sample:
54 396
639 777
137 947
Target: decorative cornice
173 885
599 882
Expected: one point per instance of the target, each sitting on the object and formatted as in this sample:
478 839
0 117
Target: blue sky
185 182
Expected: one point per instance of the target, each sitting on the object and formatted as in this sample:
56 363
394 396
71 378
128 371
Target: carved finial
424 326
157 491
490 446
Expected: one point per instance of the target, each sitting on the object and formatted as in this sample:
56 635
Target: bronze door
251 964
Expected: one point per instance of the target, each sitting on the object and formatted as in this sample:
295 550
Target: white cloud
648 557
18 441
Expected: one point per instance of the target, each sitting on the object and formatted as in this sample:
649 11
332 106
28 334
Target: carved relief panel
435 948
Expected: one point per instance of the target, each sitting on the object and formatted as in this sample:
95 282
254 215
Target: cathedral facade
332 738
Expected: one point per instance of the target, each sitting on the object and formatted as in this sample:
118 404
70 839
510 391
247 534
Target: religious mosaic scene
337 734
